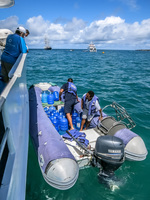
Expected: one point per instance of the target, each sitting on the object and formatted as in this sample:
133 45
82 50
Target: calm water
121 76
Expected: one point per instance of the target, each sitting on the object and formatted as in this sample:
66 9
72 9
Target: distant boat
92 47
47 46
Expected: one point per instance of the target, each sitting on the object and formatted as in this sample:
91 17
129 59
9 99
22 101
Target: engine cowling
109 153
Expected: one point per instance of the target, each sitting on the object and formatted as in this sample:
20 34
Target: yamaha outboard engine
108 155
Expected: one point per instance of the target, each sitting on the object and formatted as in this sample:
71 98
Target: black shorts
69 105
6 67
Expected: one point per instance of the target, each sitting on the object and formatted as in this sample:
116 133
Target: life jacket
80 136
92 108
72 88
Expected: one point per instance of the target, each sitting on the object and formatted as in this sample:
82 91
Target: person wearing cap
15 45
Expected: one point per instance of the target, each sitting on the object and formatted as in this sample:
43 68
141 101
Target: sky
73 24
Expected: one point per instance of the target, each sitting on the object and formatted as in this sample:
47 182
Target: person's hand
100 118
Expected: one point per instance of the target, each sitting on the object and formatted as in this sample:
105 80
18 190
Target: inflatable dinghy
105 145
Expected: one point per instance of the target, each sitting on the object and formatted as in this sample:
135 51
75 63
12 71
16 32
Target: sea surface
120 76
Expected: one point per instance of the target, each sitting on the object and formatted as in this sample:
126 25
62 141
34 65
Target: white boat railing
14 107
122 115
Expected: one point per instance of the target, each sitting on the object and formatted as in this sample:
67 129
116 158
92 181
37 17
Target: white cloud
9 23
75 25
132 4
112 33
37 25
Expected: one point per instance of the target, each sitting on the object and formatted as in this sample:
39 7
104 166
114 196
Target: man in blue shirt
15 45
71 99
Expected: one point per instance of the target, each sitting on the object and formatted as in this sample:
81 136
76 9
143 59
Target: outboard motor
108 155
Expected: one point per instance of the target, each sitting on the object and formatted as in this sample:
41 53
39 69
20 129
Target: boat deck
80 155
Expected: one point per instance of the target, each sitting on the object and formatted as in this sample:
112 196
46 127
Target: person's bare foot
89 147
81 156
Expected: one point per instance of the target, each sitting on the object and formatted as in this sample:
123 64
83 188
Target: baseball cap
21 29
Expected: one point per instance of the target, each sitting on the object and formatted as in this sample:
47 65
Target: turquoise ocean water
120 76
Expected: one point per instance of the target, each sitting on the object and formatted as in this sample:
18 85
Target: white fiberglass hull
15 112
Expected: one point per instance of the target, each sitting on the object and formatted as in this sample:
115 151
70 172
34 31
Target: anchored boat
92 47
47 46
105 144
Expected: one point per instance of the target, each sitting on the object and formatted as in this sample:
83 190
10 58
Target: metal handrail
122 114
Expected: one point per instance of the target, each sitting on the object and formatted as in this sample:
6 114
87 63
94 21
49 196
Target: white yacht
92 47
